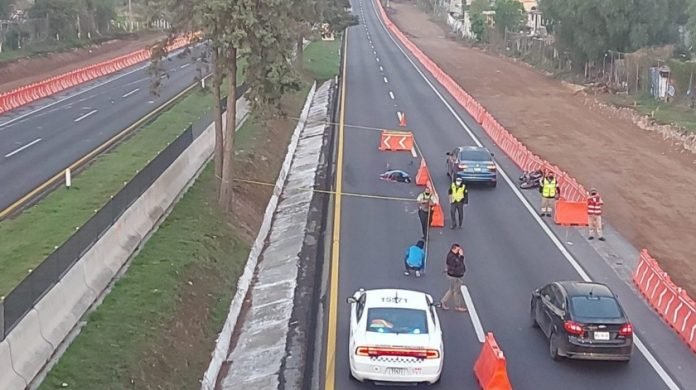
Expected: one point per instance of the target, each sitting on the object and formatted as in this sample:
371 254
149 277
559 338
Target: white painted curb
222 344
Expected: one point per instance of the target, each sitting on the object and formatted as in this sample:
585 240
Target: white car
395 337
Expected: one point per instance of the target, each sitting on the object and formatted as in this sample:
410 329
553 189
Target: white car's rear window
397 320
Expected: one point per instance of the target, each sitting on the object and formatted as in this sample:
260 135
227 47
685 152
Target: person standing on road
594 214
550 191
455 273
458 197
425 210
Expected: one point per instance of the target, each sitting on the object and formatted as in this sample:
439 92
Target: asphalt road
43 138
509 253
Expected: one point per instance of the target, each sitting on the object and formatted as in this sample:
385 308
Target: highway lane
40 140
376 232
509 253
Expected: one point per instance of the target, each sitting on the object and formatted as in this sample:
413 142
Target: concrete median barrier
9 379
33 341
28 348
61 308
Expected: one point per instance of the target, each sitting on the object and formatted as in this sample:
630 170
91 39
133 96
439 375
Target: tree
478 26
477 19
306 13
588 28
262 32
509 15
479 6
691 20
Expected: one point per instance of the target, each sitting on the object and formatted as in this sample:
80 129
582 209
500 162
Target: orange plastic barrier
672 303
570 213
438 216
396 140
422 176
490 367
676 307
512 147
32 92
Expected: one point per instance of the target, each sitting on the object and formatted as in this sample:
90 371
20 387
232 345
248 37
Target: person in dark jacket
455 273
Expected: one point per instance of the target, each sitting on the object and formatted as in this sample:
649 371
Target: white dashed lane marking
130 93
12 153
391 95
85 116
385 80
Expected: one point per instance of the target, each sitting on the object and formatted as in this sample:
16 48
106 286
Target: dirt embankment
649 185
25 71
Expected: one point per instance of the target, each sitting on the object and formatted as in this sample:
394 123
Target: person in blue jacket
415 259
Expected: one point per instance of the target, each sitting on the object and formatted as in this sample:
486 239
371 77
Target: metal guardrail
36 284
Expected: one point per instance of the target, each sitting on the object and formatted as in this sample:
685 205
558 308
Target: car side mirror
436 304
492 154
448 154
535 292
351 300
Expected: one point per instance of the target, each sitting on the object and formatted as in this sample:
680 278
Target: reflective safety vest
458 192
549 189
423 197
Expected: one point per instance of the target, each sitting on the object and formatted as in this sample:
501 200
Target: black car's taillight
573 328
626 330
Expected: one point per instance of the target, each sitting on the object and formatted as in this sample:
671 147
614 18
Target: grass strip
676 114
159 323
31 236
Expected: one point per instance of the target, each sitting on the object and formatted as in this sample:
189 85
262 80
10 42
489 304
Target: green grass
194 239
154 301
31 236
678 114
321 59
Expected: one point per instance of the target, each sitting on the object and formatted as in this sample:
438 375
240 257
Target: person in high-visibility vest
458 197
550 191
425 210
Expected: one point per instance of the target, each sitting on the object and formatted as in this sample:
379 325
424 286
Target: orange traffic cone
402 119
422 175
438 217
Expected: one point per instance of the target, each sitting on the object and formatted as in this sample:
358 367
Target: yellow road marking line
330 376
54 180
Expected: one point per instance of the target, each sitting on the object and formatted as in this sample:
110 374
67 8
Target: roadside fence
33 92
40 280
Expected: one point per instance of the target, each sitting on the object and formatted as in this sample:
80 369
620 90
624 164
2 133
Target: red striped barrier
672 303
35 91
517 152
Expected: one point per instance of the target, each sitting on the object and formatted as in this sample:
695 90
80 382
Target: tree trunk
299 52
217 112
225 197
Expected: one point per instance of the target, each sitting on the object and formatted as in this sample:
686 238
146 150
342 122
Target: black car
472 164
582 320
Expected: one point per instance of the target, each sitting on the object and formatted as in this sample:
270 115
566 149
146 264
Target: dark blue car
473 164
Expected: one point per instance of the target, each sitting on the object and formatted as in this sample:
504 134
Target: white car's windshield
397 320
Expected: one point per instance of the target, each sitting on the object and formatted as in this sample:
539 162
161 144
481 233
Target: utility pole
130 16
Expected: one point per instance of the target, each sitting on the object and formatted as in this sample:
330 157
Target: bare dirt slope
649 185
29 70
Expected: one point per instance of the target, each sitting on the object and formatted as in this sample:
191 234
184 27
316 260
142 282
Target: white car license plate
397 371
603 336
477 169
